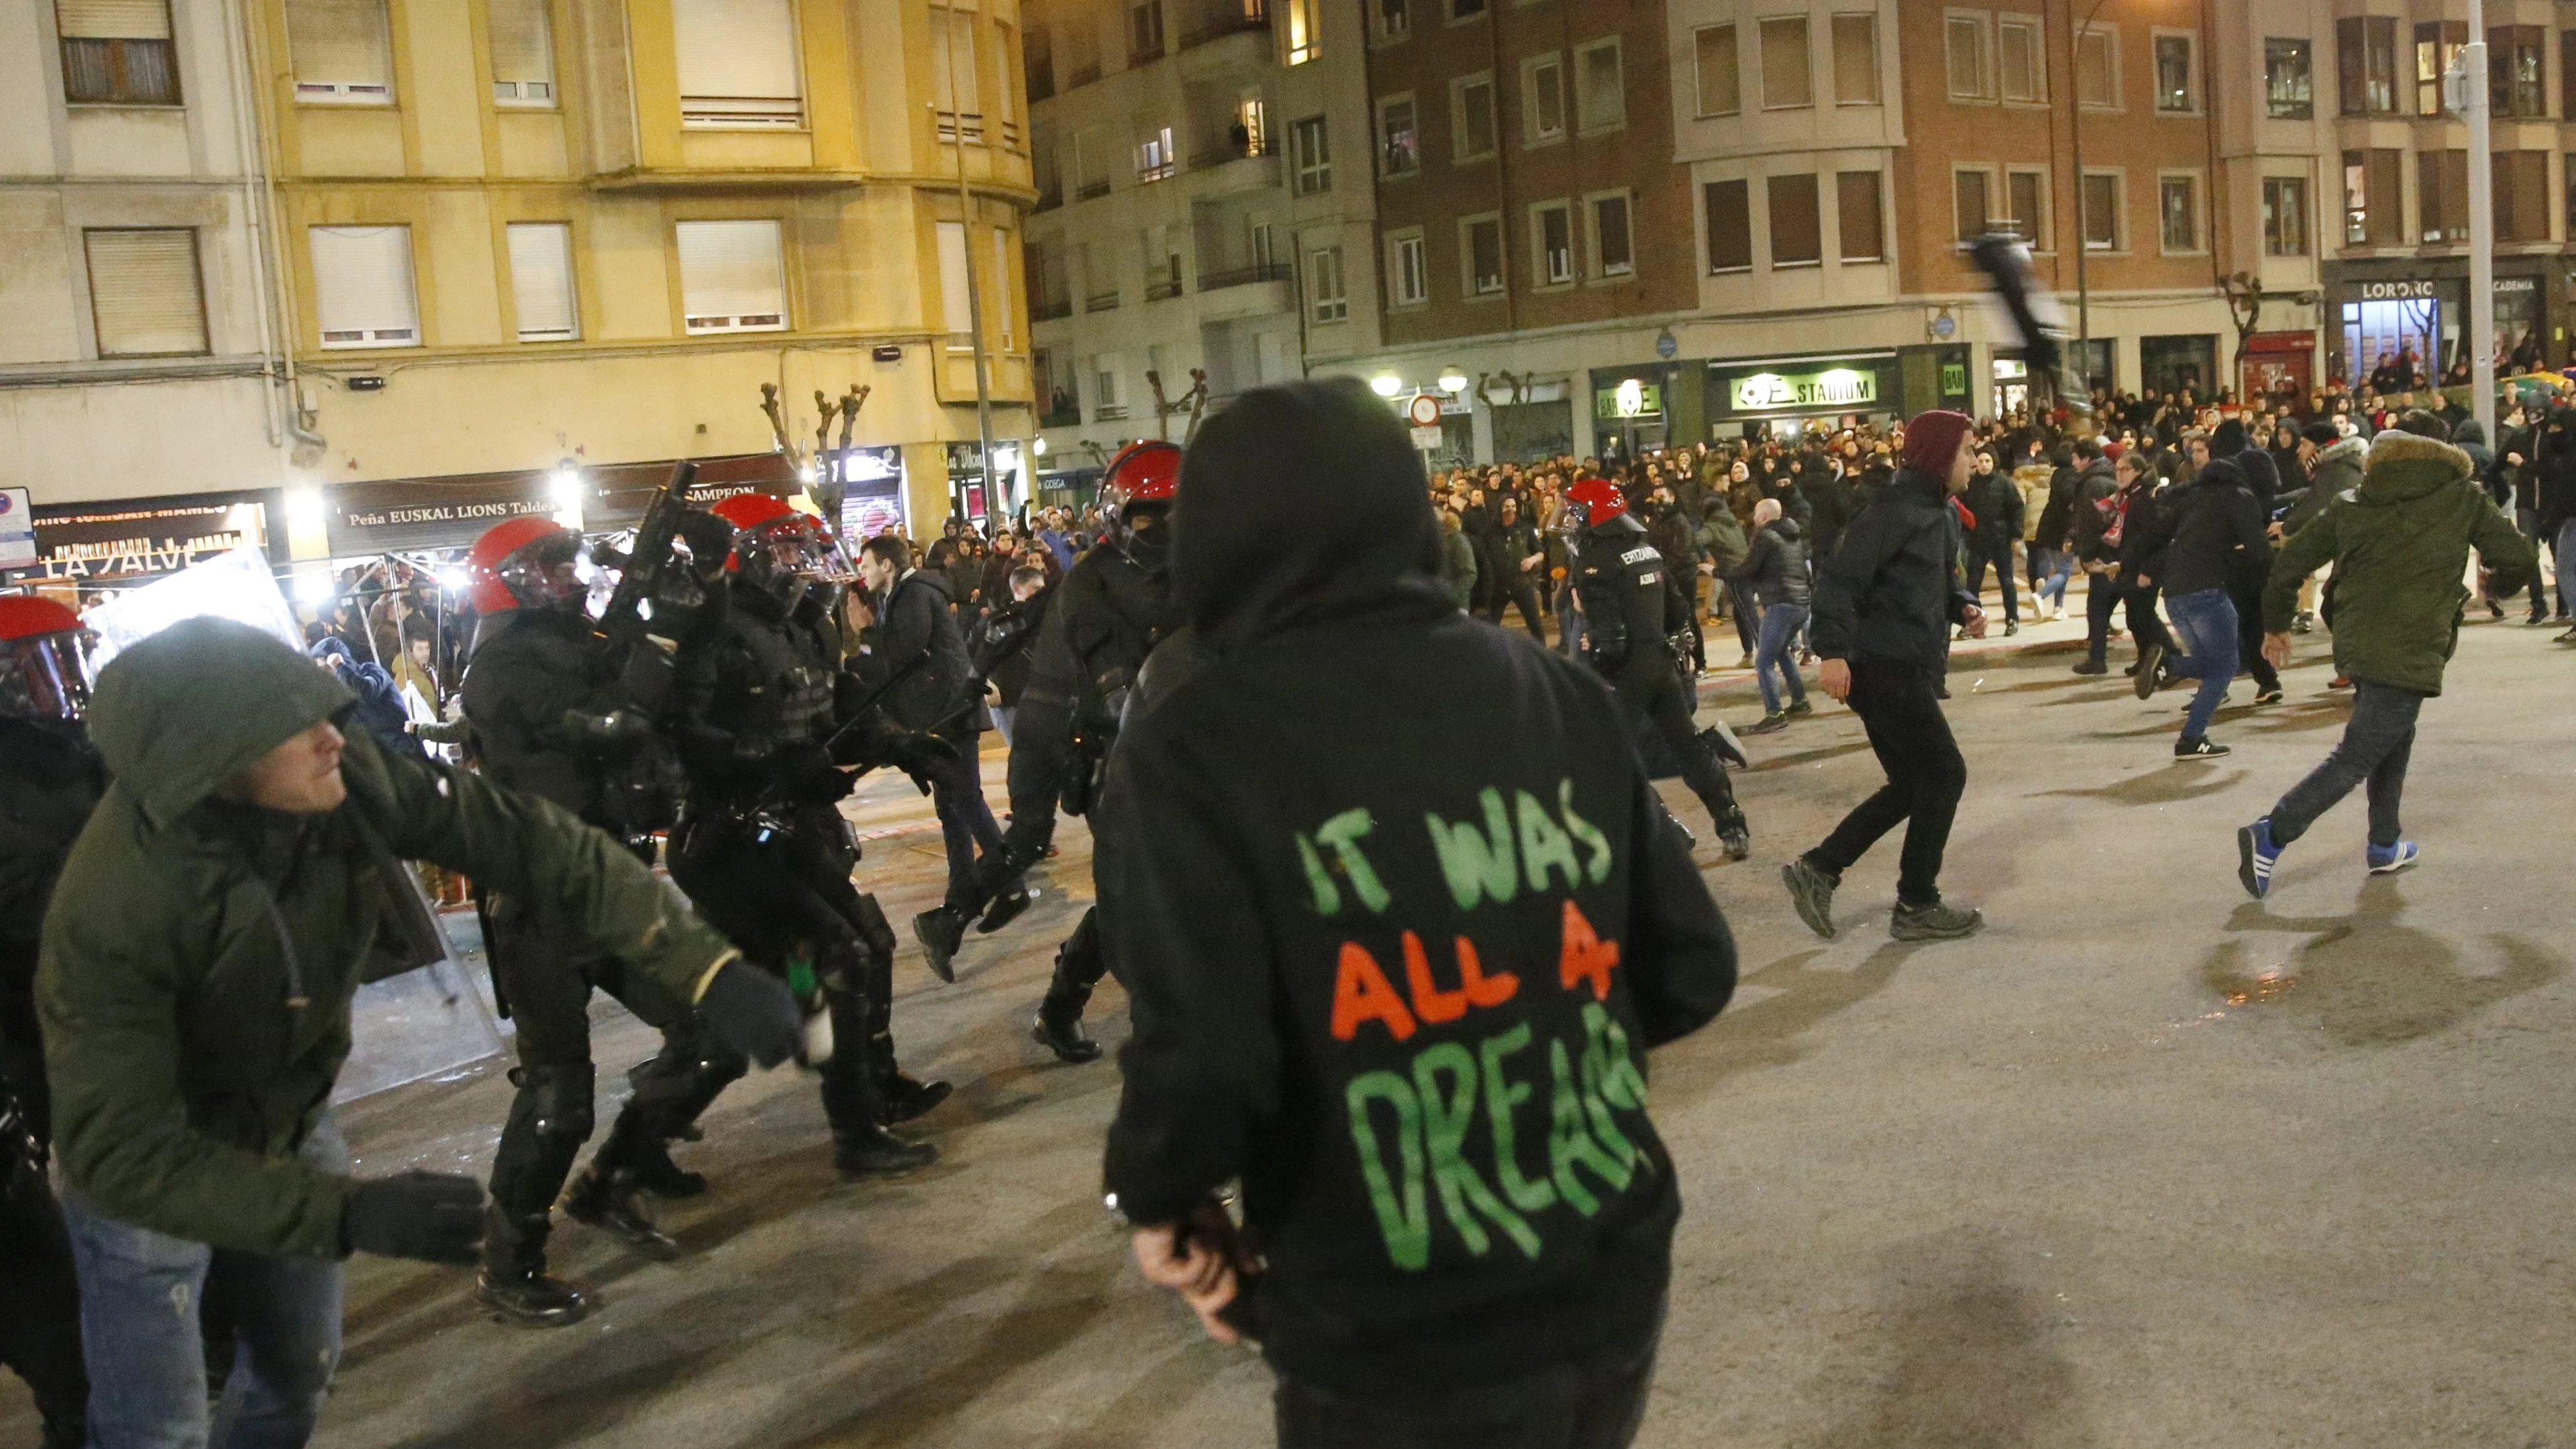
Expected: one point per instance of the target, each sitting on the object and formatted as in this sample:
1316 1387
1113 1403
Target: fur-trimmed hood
2352 448
2405 465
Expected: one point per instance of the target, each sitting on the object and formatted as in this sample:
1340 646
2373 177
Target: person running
2208 536
1883 607
1776 571
2399 544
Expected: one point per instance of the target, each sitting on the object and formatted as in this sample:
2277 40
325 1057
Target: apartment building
1192 212
131 287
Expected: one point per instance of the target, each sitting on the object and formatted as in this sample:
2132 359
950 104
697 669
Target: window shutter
1796 237
523 63
144 293
952 284
541 281
737 62
1000 301
731 277
362 286
1730 225
340 48
113 19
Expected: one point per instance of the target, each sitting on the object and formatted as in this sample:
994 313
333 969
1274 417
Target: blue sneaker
2388 860
2255 854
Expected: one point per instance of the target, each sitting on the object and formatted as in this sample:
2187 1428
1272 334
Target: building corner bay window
362 286
341 52
732 277
117 52
738 64
1857 209
1797 234
1729 211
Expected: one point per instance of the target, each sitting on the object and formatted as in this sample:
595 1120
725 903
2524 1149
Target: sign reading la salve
1833 388
17 529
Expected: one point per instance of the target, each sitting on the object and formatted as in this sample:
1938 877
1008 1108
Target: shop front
2395 320
436 515
967 496
1644 408
118 543
1783 397
2277 368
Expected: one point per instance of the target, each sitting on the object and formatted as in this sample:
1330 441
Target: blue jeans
2206 620
2050 570
141 1293
966 820
1780 625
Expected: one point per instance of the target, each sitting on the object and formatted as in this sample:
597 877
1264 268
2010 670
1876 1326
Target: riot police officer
1112 607
1628 605
549 719
762 849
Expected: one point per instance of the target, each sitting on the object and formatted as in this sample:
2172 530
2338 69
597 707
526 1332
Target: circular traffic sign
1425 411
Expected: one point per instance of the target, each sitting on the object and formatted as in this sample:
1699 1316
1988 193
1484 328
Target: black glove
919 755
425 1215
804 772
753 1012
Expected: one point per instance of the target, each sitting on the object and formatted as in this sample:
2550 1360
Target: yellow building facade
519 234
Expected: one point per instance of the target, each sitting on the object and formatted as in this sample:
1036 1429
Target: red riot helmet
526 563
44 660
1136 500
1592 502
778 548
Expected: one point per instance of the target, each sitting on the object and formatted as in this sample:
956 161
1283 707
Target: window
523 54
956 85
2101 211
1542 99
1399 147
1310 152
2366 65
2514 70
1161 262
2520 198
1600 87
1466 9
541 280
2437 44
1145 32
2178 213
362 286
2442 195
1857 210
2021 52
1471 117
1797 238
1972 207
2177 88
2097 70
738 64
1614 250
341 51
145 295
733 277
1730 226
1326 301
2371 198
2288 93
117 53
1721 86
1104 388
2026 207
2567 75
1552 230
1788 81
956 295
1481 248
1394 19
1407 271
1964 38
998 304
1156 159
2285 216
1304 34
1855 60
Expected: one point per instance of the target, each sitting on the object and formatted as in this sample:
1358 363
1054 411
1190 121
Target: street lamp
2083 239
1386 384
1454 380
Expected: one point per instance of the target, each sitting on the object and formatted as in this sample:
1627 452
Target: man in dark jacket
199 960
1996 505
1884 605
2207 536
1006 645
1775 573
918 654
1310 894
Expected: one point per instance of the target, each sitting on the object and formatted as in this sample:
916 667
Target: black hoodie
1892 588
1401 989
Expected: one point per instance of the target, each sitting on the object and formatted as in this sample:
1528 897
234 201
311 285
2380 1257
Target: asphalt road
2146 1164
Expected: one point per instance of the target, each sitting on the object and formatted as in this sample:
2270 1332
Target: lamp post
2472 67
2075 134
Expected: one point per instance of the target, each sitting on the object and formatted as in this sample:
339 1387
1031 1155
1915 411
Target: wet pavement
2146 1164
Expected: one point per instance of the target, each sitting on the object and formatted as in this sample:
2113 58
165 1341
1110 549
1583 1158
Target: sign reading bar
1632 398
1833 388
2396 291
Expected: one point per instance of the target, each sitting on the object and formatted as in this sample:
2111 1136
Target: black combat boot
1058 1028
605 1198
514 1282
656 1173
1006 908
855 1100
941 931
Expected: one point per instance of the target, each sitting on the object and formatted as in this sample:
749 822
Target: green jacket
1458 568
1722 538
200 955
2400 546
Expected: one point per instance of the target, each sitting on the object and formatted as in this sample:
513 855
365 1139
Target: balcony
1092 190
1050 311
1104 302
1159 171
1050 199
1243 276
1161 291
1253 16
1082 76
1069 415
1109 413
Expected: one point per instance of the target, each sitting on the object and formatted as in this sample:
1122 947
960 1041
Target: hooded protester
2228 441
2554 499
204 944
1291 832
1884 605
2400 545
2206 540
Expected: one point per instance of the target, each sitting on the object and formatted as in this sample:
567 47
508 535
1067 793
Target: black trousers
1516 592
1925 778
2249 641
40 1335
1998 552
1649 688
1594 1402
1041 757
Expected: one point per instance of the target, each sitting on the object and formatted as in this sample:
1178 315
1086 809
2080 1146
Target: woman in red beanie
1884 604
